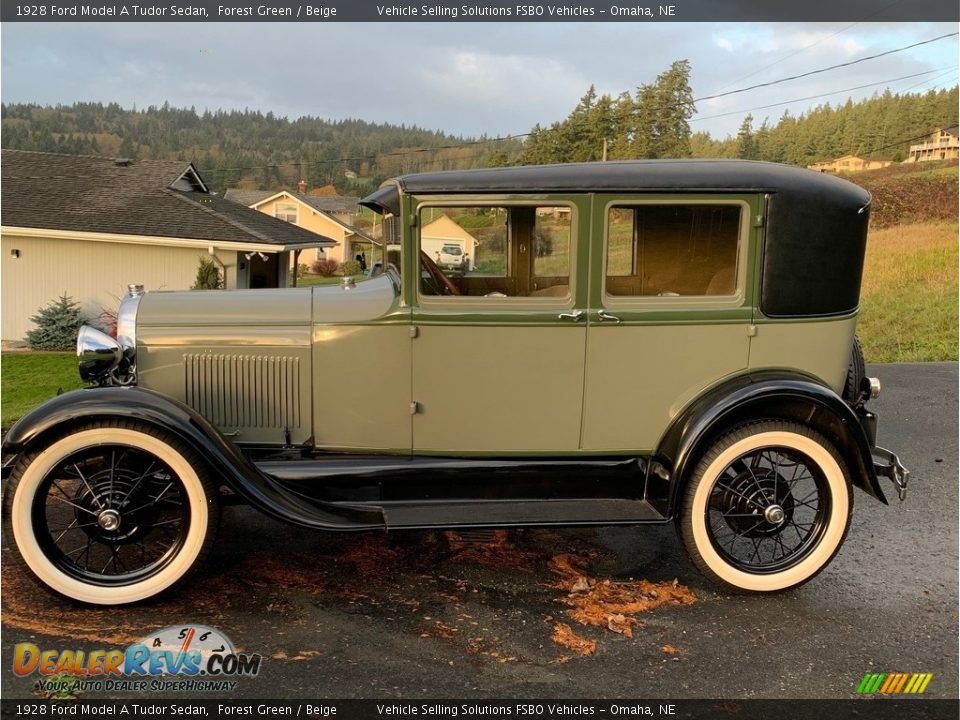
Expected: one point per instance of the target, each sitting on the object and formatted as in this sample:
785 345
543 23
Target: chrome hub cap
774 514
109 520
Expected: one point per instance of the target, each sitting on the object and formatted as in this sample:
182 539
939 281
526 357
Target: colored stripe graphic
894 683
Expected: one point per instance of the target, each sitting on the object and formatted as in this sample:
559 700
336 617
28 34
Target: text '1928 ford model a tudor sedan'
629 342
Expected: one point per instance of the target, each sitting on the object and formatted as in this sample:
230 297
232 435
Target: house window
286 211
672 250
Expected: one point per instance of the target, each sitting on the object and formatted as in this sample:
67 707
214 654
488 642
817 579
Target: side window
495 251
672 250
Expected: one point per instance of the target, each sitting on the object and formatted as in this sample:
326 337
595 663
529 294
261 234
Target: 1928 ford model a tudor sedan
629 342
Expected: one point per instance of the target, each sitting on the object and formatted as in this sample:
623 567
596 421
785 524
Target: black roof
708 176
161 198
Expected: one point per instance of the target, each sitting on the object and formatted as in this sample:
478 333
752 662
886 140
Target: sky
462 78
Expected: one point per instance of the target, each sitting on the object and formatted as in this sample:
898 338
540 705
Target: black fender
224 458
762 395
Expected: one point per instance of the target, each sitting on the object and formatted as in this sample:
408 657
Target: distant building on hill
851 163
941 144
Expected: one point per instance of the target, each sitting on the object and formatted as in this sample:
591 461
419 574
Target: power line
826 69
404 153
921 84
821 40
814 97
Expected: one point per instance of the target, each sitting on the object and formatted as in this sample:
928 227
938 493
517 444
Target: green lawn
28 379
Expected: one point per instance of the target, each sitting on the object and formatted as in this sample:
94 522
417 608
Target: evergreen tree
746 143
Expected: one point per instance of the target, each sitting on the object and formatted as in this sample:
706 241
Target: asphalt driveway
414 616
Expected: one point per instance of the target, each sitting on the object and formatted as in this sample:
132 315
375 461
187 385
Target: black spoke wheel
767 507
111 514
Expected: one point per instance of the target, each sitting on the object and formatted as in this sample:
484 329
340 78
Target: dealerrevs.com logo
177 658
894 683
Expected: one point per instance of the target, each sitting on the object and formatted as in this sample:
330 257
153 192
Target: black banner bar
874 709
479 11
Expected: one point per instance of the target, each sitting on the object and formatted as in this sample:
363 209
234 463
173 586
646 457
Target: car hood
364 301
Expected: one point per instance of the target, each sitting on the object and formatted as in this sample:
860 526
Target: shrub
302 269
350 268
107 321
57 325
325 267
208 276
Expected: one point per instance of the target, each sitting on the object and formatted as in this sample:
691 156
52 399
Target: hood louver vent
244 391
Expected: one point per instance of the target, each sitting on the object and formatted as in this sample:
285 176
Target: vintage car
633 342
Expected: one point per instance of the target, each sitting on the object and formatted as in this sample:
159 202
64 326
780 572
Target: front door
670 310
500 329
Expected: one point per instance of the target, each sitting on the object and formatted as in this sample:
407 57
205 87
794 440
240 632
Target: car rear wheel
767 507
111 514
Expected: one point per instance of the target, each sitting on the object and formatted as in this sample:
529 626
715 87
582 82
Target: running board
524 513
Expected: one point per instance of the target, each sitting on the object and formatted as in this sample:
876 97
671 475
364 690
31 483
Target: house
851 163
441 232
88 226
331 216
941 144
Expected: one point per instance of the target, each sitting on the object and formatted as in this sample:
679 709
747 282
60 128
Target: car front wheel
767 507
111 514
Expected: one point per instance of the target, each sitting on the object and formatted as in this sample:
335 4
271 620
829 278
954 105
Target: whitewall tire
111 514
767 507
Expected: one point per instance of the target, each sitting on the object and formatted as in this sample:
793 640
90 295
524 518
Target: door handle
604 316
574 315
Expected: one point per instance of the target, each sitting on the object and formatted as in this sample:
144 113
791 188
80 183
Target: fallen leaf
564 635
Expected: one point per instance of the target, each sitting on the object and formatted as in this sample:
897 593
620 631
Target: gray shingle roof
325 203
96 194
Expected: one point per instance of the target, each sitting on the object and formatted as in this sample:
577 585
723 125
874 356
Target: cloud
463 78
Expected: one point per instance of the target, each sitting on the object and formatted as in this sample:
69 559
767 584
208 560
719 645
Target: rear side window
672 250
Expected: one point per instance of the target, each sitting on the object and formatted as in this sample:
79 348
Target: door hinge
751 330
414 407
414 331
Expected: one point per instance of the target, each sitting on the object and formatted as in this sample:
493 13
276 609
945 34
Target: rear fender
759 396
69 410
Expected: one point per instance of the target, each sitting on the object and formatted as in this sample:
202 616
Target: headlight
107 361
98 354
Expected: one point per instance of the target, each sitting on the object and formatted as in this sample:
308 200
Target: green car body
618 328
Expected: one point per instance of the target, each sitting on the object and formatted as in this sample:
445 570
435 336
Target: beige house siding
851 163
94 274
310 219
443 230
941 144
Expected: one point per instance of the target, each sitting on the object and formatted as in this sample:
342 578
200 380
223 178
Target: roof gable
313 203
444 227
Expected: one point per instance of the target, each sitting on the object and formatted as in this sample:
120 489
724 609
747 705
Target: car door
670 309
498 342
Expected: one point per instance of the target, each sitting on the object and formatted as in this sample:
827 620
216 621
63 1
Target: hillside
911 193
908 302
246 148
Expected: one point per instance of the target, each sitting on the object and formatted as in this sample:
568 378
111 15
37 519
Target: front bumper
887 464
